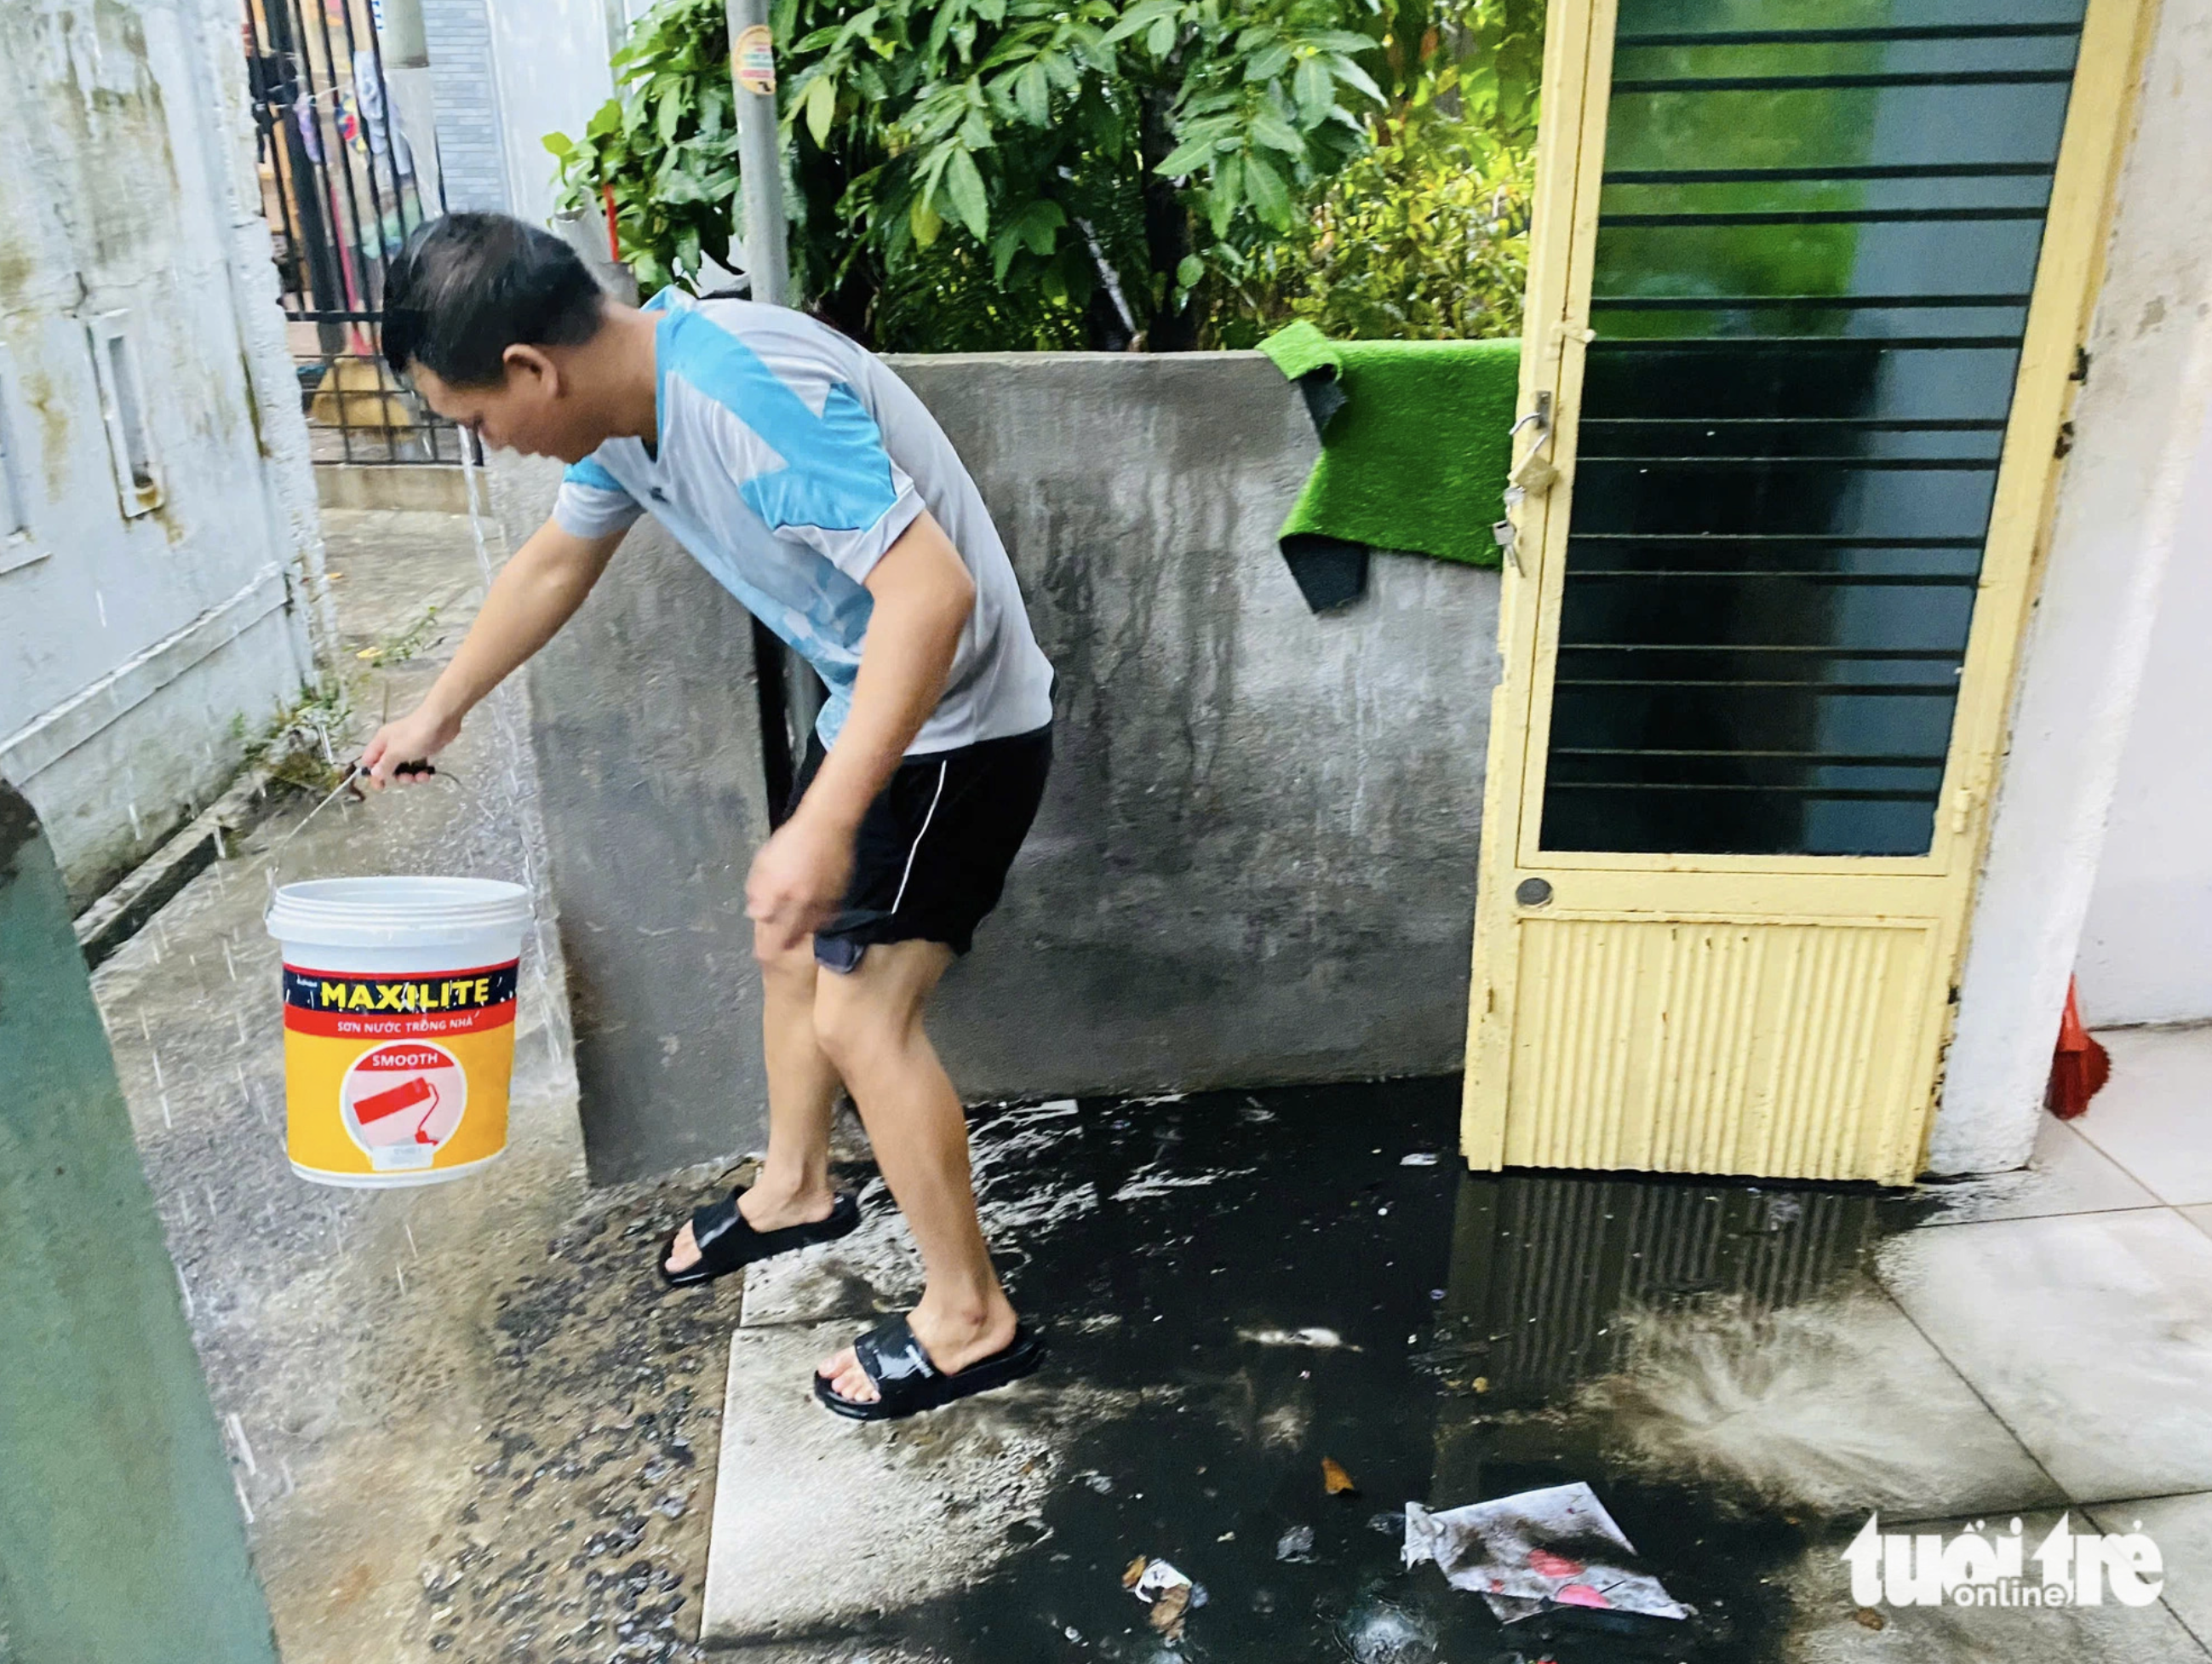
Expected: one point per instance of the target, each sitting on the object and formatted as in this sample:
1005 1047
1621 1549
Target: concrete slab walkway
464 1425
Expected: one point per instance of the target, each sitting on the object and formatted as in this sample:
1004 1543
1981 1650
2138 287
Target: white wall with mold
2147 948
2118 526
150 624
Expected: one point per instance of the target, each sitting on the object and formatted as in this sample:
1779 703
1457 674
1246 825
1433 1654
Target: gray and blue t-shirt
789 460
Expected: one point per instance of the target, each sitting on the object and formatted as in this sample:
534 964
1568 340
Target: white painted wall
2147 950
136 651
2138 423
550 58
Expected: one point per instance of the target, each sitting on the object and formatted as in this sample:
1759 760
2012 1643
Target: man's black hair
466 287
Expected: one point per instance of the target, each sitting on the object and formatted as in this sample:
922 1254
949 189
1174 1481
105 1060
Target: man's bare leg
793 1186
870 1026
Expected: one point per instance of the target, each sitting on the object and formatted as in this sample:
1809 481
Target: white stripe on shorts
923 834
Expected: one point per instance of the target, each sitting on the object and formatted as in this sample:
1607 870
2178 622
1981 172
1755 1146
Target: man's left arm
923 596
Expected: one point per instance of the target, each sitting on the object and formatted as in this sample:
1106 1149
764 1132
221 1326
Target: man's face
534 409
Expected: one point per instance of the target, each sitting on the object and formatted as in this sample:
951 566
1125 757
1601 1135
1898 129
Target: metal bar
1779 175
1790 83
1879 654
1849 794
1842 302
299 180
1828 217
1866 423
1917 690
387 99
1626 343
1841 37
1956 464
334 157
1810 540
1836 580
368 146
1839 759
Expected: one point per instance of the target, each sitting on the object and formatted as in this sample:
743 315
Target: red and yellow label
393 1074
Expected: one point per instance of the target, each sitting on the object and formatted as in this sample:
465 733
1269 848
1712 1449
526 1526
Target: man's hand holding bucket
414 738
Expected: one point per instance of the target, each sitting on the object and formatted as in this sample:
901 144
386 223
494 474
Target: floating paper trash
1522 1553
400 998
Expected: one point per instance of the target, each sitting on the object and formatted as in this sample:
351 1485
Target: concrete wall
2147 947
2137 423
120 1537
138 649
1255 860
645 721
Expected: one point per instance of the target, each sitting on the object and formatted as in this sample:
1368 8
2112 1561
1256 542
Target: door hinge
2081 372
2065 439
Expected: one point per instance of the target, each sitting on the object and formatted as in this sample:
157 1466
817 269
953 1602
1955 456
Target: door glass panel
1816 240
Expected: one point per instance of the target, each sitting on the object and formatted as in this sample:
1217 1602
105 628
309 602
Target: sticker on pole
400 1102
754 59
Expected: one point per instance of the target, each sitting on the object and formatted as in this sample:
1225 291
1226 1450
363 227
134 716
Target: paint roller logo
401 1102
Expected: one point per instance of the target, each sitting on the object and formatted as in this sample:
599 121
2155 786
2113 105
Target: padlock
1535 473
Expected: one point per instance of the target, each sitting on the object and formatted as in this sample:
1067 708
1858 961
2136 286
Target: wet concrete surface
468 1423
1239 1286
462 1426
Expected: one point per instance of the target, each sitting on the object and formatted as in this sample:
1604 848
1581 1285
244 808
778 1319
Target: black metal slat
1761 303
1841 82
1855 36
333 142
1838 758
1828 217
1823 175
1626 343
1848 794
1877 654
1834 580
1820 539
1916 689
1952 464
1855 423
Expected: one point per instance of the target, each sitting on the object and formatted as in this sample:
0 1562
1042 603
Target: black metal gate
341 191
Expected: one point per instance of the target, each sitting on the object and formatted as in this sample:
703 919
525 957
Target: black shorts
931 853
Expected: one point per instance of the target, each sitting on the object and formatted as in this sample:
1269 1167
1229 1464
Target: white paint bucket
399 1000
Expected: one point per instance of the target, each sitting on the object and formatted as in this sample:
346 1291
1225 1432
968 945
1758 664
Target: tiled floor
2155 1118
2075 1299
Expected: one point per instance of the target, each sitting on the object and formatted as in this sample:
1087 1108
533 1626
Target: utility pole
761 229
762 234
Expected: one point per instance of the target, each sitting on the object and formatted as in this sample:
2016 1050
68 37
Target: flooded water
1275 1279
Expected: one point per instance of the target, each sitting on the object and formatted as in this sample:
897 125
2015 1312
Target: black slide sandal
727 1242
909 1383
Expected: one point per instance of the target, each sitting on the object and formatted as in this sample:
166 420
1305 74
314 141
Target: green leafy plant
1425 237
1018 173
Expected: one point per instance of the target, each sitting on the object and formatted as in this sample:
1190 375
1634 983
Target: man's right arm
535 594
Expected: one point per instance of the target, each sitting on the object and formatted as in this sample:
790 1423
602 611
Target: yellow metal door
1809 282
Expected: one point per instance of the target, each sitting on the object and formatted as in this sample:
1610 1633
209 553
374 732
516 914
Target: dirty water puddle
1272 1331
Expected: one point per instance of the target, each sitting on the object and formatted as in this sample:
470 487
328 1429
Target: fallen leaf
1334 1480
1136 1570
1482 1383
1870 1619
1167 1614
